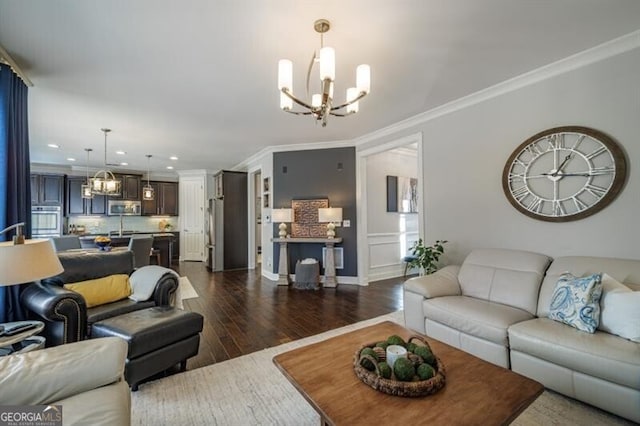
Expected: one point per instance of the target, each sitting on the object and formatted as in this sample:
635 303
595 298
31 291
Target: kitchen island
161 241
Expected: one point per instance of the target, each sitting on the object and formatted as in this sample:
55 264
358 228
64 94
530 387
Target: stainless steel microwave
124 208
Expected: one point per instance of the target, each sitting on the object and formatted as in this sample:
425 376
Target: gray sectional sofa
496 305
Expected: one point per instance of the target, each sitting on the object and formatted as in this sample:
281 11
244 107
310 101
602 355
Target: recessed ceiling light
53 145
124 164
120 152
71 159
170 167
173 157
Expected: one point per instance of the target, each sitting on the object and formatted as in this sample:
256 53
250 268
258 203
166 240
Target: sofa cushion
601 355
624 270
475 317
509 277
576 302
620 309
103 290
110 310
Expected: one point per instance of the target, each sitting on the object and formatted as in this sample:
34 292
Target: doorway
388 229
255 197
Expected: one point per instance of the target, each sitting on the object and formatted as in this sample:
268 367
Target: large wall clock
564 173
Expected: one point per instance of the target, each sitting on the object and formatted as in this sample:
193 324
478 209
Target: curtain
15 171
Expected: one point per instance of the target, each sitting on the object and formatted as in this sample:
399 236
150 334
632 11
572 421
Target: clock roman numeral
535 205
580 205
533 150
595 190
601 171
578 142
596 152
515 176
555 142
521 163
558 209
520 193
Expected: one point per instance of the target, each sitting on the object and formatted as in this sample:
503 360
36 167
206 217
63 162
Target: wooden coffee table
476 393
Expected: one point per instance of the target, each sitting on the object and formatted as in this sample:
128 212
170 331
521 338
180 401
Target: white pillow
619 309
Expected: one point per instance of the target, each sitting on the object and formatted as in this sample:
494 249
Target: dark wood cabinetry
232 205
78 206
130 187
47 190
165 200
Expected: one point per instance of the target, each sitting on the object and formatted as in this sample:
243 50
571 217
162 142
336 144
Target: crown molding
595 54
245 164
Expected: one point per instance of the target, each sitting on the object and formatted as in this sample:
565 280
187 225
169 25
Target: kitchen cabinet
165 200
47 190
130 187
77 206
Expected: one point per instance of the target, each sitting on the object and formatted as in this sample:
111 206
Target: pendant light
104 182
148 191
86 188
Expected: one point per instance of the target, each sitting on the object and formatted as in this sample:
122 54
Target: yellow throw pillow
102 290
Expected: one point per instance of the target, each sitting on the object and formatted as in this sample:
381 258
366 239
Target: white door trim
251 217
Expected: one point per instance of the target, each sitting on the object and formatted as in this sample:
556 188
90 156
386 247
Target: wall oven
46 221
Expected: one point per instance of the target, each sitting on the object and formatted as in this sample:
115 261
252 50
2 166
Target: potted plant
426 257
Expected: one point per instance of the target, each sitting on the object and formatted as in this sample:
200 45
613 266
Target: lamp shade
31 261
330 214
282 215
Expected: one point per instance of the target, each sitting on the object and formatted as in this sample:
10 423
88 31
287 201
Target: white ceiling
197 78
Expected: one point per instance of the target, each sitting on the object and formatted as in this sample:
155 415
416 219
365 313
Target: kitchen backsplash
103 225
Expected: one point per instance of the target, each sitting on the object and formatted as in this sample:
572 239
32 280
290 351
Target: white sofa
495 306
86 378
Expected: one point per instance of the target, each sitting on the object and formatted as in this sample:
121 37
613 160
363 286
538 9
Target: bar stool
155 253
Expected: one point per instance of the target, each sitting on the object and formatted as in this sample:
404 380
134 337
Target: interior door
192 213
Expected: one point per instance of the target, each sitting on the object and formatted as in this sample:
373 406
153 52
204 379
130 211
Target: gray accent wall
318 173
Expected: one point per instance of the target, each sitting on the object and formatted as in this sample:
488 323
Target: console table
329 267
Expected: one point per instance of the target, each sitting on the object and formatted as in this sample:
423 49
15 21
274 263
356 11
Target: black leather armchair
64 312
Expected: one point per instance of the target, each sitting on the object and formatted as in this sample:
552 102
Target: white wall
465 152
389 235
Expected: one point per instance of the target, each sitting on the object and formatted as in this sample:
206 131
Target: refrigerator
228 227
215 235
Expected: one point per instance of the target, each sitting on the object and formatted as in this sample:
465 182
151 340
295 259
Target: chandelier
321 105
104 182
86 188
147 190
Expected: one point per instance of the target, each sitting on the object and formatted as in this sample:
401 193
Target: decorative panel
305 218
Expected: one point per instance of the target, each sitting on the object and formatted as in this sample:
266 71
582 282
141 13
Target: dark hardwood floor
244 312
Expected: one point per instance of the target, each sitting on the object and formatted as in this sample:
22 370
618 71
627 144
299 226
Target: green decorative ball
403 369
411 347
381 353
426 355
425 371
396 340
365 362
382 345
385 370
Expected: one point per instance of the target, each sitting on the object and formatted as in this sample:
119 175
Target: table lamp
330 216
283 216
23 261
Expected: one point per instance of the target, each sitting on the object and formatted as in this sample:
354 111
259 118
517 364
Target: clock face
564 174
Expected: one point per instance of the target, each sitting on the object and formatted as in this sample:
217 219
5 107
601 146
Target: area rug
250 390
185 291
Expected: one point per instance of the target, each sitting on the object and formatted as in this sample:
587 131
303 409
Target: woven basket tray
396 387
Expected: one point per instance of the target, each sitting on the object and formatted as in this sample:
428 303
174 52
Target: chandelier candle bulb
316 100
395 352
327 63
363 78
285 74
352 93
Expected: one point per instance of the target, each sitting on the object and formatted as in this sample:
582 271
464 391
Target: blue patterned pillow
576 301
